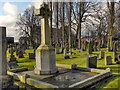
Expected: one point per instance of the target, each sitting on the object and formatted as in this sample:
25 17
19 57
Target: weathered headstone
92 45
20 54
12 63
115 58
65 54
102 54
95 47
31 55
5 80
85 45
92 62
57 48
82 46
90 48
12 57
108 60
108 45
45 54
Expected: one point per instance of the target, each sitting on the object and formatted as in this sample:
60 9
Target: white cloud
10 9
9 19
37 3
29 6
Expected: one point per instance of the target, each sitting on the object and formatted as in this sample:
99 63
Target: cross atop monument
43 11
44 14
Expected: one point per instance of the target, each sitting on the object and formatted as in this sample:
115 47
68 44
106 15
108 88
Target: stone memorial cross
44 14
45 53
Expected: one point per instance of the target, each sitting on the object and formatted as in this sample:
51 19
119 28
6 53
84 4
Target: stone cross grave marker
44 14
45 54
108 60
5 80
92 62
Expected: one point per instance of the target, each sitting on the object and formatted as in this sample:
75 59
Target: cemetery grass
81 60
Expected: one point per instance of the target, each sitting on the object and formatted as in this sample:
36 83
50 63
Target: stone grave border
25 78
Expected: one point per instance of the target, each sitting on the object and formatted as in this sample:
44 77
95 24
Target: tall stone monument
45 54
5 80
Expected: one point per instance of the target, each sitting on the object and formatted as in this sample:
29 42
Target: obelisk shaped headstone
45 54
3 61
5 80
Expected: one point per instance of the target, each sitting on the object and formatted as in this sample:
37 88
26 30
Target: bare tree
28 24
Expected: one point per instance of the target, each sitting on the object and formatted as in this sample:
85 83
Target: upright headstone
45 54
90 48
95 47
115 58
20 52
92 62
5 80
92 45
85 45
12 57
12 63
108 45
57 48
82 46
31 55
108 60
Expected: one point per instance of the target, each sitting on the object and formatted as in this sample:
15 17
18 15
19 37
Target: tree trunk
70 29
51 25
79 27
63 28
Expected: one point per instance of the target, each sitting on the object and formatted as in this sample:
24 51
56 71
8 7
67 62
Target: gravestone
85 45
92 45
82 46
95 47
57 48
90 48
45 54
108 60
5 80
12 63
20 54
12 57
92 62
115 58
31 55
108 45
102 54
65 54
10 40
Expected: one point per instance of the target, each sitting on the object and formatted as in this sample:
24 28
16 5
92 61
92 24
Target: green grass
81 60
